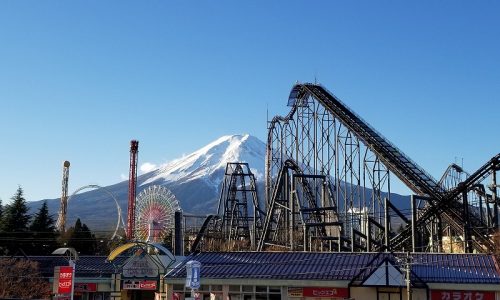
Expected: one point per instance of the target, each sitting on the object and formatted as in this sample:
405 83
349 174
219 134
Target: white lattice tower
61 219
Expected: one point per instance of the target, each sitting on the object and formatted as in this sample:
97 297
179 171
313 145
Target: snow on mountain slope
194 179
206 161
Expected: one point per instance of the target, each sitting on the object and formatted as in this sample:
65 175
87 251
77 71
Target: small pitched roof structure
387 269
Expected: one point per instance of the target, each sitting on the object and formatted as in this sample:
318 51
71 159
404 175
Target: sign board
462 295
85 287
65 280
295 292
193 269
140 266
318 292
150 285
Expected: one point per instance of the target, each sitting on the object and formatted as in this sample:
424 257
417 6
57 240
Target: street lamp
72 256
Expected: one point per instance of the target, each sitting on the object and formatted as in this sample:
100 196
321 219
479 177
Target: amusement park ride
327 188
150 215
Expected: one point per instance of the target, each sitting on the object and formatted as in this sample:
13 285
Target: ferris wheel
154 212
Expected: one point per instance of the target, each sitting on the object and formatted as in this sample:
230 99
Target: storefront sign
295 292
147 285
139 285
85 287
462 295
65 280
318 292
140 266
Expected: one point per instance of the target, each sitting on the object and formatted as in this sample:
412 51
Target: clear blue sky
80 79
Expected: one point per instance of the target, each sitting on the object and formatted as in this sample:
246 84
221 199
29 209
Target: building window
205 292
236 292
250 292
235 288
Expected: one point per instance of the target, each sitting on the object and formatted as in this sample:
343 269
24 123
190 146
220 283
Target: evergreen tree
1 214
2 235
16 217
43 231
15 224
82 239
43 222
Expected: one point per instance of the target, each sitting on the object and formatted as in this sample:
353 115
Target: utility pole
408 274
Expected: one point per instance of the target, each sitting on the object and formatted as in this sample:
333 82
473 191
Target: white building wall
359 293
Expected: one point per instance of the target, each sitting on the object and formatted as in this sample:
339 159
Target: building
329 276
284 276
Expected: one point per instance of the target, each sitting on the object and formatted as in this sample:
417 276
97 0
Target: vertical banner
65 280
193 274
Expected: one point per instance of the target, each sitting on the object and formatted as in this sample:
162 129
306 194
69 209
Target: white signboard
193 269
140 266
139 285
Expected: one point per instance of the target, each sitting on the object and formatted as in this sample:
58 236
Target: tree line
25 234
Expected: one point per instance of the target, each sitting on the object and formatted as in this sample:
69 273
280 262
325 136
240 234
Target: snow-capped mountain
209 160
195 180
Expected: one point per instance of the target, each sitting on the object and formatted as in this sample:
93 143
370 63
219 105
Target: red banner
147 285
65 280
462 295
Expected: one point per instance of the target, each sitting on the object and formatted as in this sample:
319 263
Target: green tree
1 214
2 235
82 239
15 223
15 216
43 232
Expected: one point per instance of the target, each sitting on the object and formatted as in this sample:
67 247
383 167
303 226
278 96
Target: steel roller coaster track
303 131
327 187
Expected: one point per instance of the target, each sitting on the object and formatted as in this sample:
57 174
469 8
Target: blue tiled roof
456 268
428 267
97 266
278 265
451 268
86 266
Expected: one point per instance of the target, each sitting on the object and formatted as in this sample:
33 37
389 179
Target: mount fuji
194 179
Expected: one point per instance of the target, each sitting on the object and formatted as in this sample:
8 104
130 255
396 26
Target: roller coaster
328 188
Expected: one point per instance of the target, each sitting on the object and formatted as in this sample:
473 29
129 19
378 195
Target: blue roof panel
428 267
451 268
456 268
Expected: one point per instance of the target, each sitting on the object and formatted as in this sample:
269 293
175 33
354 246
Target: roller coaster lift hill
327 188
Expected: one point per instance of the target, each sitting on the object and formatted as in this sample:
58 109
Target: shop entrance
389 294
141 295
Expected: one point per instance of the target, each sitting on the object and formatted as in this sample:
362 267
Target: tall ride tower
132 181
61 219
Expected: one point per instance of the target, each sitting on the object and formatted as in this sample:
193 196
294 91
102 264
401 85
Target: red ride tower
132 181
